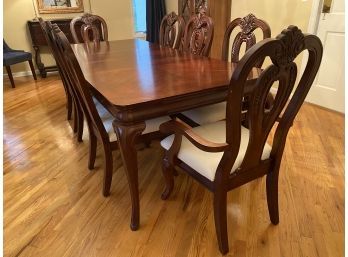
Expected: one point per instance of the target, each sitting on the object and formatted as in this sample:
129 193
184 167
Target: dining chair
94 28
99 120
199 34
11 57
225 155
246 35
172 30
72 102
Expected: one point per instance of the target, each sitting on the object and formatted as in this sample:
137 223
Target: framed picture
60 6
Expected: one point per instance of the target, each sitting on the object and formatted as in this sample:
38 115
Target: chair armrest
180 128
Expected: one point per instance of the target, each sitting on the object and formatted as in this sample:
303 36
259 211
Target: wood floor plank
53 204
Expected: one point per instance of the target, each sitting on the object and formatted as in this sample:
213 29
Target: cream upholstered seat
107 119
207 114
206 163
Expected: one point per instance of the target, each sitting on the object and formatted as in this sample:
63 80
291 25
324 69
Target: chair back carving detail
282 51
199 33
92 28
248 25
171 36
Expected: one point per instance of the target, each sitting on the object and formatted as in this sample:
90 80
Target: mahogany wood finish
72 103
170 35
94 28
53 206
80 87
199 34
219 11
248 25
146 74
82 93
282 51
188 8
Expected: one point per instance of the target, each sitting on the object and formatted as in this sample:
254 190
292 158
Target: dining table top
132 72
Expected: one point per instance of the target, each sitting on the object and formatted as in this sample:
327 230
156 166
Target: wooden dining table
136 81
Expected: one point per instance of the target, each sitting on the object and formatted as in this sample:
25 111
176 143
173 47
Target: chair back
248 25
199 34
94 28
6 48
170 35
46 27
72 68
282 51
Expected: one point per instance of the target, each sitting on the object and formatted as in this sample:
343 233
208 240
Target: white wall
118 15
278 13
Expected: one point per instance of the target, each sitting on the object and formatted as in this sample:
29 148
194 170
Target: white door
328 88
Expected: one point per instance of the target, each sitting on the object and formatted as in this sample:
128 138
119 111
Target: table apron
168 106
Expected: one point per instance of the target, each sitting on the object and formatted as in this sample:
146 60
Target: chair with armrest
170 33
99 120
247 25
11 57
72 103
225 155
94 28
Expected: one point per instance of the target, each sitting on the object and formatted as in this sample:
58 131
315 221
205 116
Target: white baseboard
21 74
26 73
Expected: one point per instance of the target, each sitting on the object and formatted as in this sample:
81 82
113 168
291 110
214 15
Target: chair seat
206 163
107 119
10 58
207 114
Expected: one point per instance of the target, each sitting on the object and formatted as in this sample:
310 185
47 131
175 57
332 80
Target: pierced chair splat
94 28
247 26
199 34
225 155
172 30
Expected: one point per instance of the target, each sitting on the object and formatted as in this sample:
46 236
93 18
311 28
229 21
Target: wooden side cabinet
38 40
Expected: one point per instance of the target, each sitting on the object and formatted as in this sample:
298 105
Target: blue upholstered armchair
13 57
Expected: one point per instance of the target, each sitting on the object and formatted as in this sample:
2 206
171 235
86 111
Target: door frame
312 27
313 23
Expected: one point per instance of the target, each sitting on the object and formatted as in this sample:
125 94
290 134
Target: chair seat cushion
107 119
206 163
207 114
10 58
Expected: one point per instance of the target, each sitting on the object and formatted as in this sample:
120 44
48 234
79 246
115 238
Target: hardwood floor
53 204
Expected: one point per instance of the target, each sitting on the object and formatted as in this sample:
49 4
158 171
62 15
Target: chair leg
220 217
75 121
108 166
79 124
32 69
9 73
69 106
167 169
92 149
272 196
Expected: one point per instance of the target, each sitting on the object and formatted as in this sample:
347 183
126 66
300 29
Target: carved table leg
39 63
127 136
